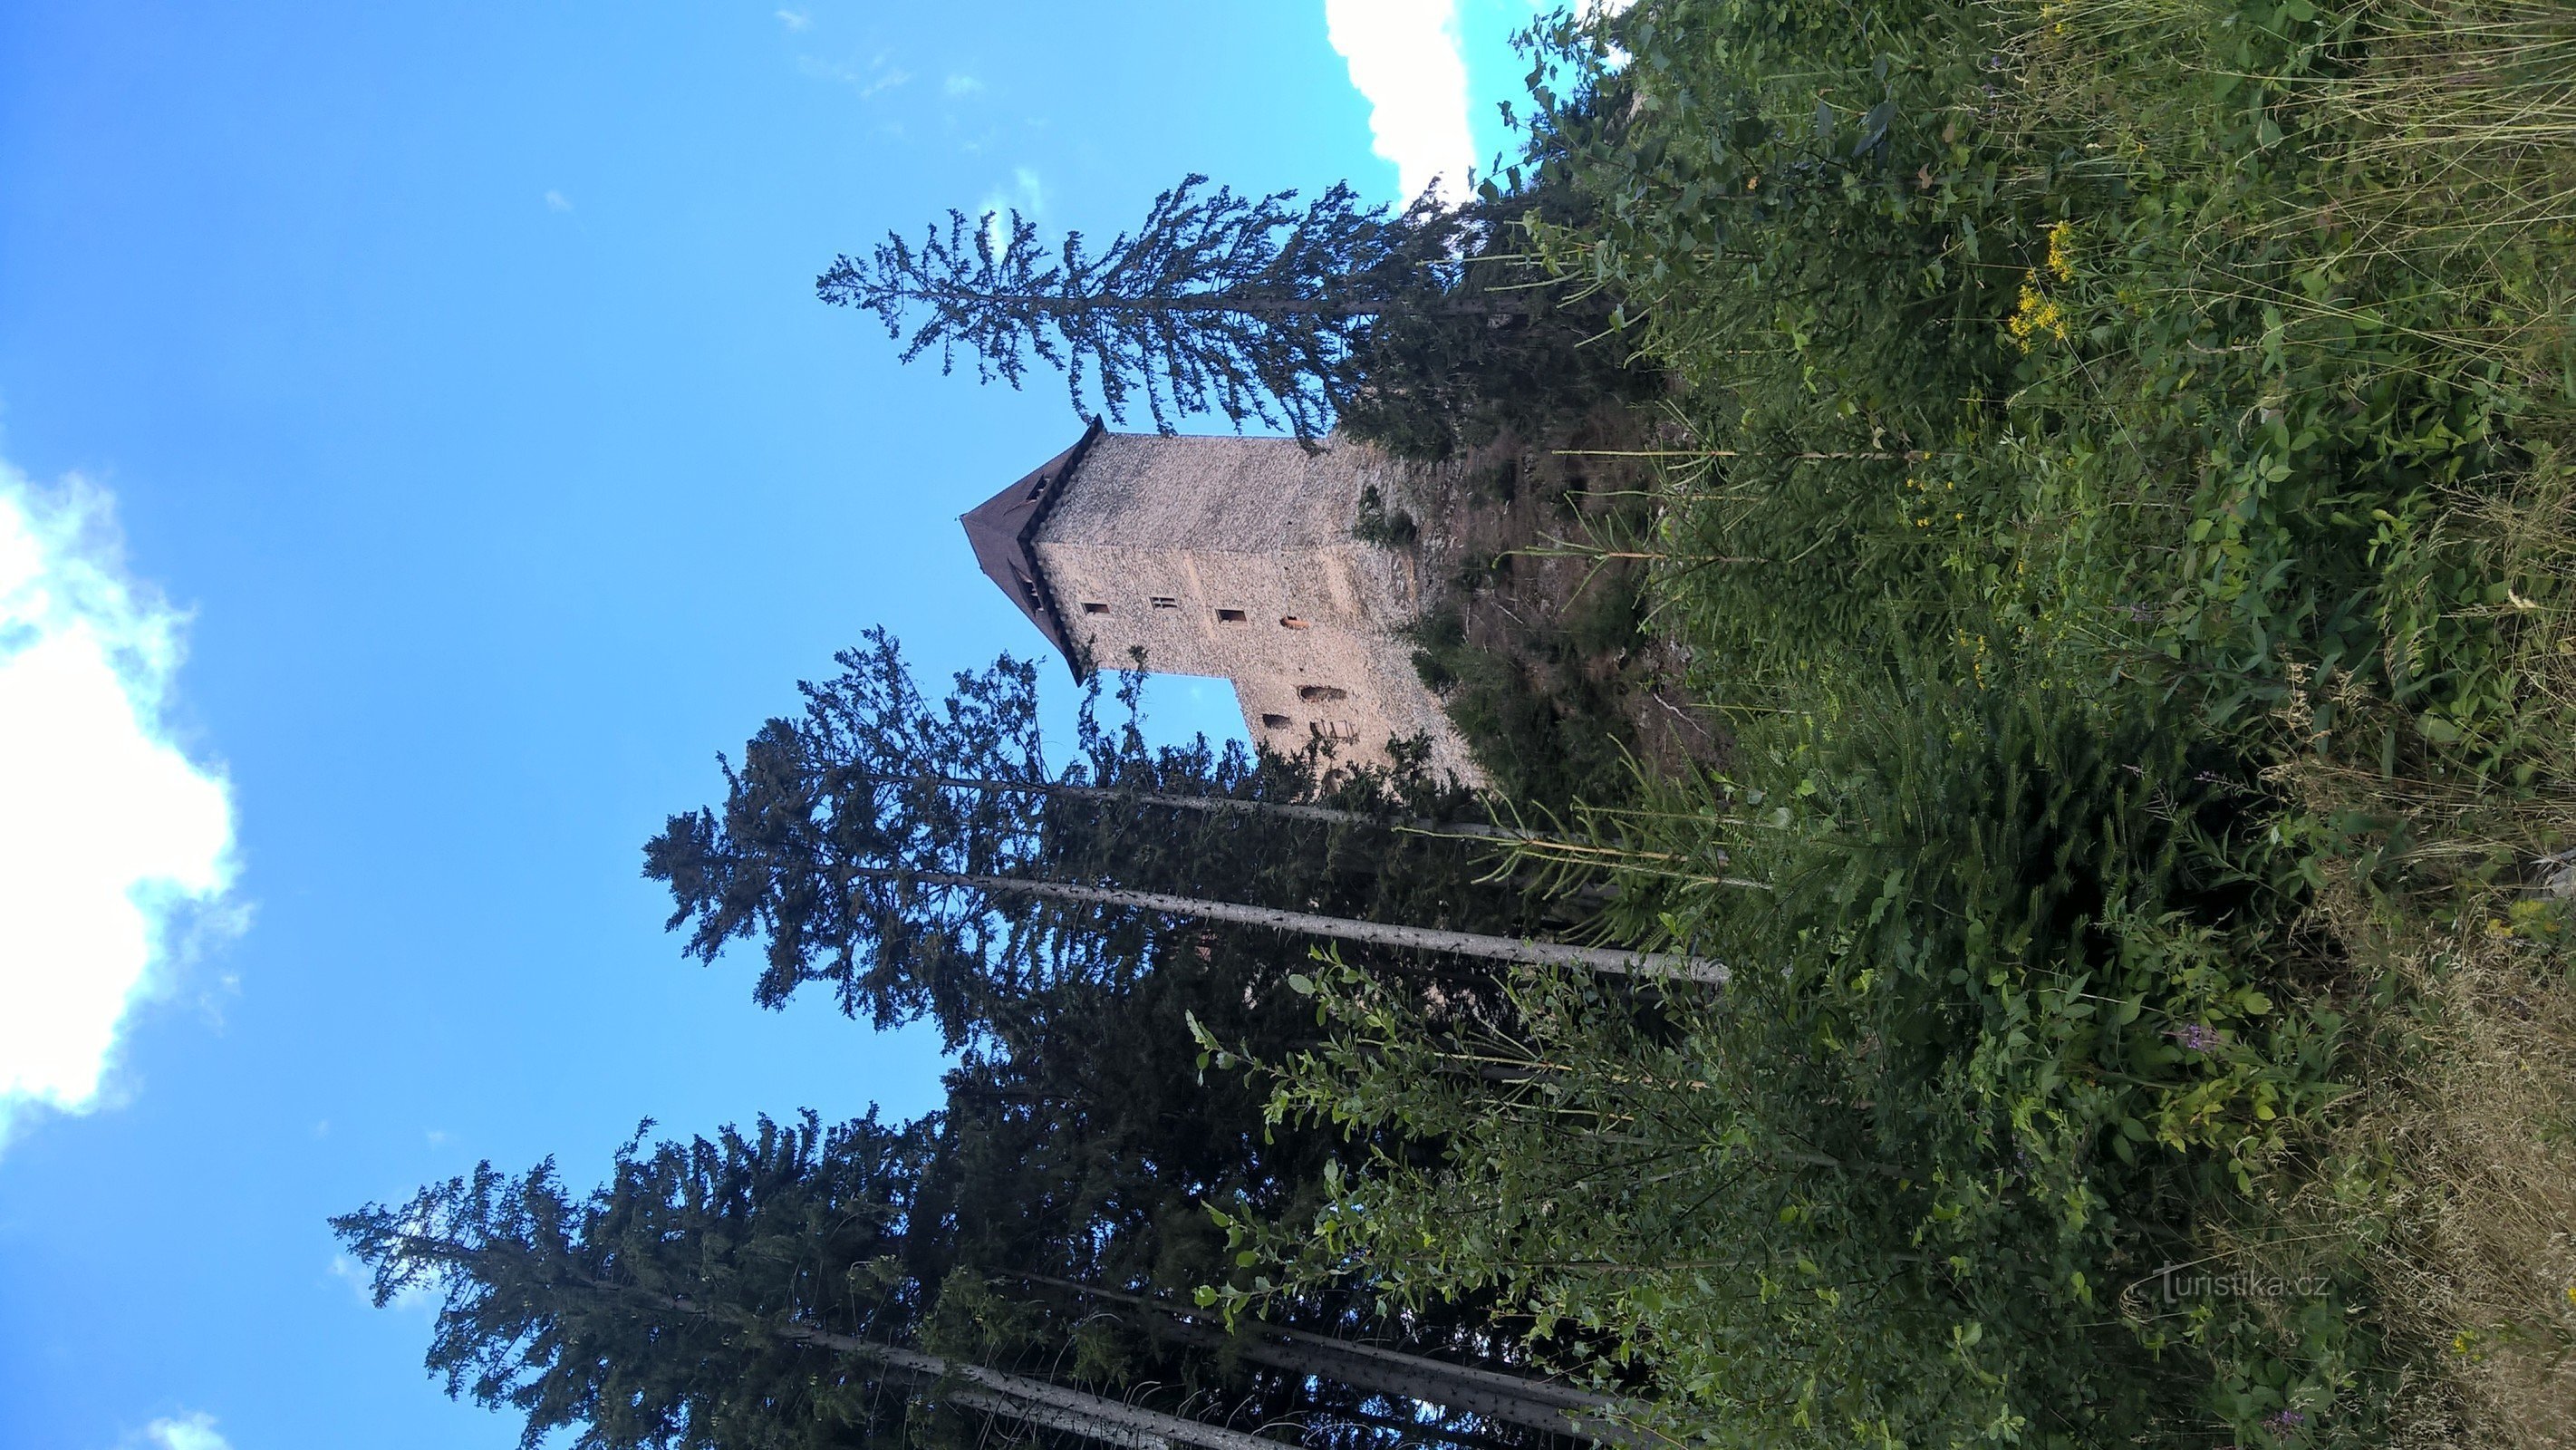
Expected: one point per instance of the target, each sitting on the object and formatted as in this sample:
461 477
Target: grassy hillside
2115 485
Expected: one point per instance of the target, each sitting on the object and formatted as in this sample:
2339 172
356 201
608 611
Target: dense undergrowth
1537 650
2116 482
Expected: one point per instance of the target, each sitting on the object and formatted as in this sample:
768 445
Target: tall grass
2118 484
2269 421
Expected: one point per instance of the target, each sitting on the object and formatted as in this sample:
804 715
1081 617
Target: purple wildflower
2194 1036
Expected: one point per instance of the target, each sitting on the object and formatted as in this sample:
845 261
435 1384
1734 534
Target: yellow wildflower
2061 251
2037 317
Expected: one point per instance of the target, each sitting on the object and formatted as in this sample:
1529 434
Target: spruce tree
1254 306
846 842
1081 1141
659 1310
774 1289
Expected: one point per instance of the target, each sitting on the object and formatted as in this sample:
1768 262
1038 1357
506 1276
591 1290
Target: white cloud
1404 59
1026 195
194 1432
113 844
868 80
794 19
362 1282
557 201
961 85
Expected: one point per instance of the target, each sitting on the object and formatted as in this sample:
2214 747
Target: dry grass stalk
2475 1133
2451 1174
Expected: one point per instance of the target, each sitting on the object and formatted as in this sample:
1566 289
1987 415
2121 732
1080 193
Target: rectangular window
1274 722
1165 601
1093 607
1230 616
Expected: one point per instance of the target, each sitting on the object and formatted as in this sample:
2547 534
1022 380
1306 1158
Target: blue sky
419 452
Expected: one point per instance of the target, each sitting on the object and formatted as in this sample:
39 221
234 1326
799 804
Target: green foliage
1247 304
1979 1060
1517 349
2087 435
1079 1138
646 1314
836 815
808 1287
1377 526
1545 730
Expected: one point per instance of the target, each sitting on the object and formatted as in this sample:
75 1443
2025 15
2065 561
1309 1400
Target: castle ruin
1227 557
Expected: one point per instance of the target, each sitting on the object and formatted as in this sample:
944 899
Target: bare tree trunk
1661 965
1089 1427
1217 804
1018 1397
1532 1404
1094 1417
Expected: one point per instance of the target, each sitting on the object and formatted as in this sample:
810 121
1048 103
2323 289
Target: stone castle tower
1229 557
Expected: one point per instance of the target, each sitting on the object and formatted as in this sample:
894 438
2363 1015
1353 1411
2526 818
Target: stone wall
1233 557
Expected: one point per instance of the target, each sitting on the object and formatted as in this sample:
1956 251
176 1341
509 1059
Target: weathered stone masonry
1229 557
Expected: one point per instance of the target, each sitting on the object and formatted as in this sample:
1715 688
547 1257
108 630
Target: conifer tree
1081 1142
1251 305
769 1289
652 1312
735 1292
846 844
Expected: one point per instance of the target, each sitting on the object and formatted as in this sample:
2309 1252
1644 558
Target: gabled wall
1233 557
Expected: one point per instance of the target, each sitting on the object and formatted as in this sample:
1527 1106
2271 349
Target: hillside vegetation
2114 483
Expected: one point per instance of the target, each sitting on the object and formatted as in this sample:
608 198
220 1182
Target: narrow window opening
1293 622
1166 601
1322 692
1273 722
1229 616
1094 607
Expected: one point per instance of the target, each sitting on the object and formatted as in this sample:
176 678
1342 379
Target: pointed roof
1001 528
